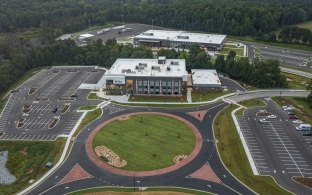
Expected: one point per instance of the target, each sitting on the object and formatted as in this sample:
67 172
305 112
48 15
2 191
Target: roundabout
144 144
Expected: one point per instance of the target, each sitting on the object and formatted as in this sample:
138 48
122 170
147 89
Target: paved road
176 178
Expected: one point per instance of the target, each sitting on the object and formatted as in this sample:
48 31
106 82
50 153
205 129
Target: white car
297 121
271 116
263 120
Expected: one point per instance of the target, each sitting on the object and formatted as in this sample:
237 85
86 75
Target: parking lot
285 56
276 148
44 107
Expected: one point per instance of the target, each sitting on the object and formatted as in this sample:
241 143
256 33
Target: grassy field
156 99
238 50
303 110
276 44
91 116
27 161
87 107
93 96
207 96
300 68
252 103
147 142
164 105
296 82
234 157
135 191
307 25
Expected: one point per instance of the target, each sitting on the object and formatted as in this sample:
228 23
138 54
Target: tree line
242 17
291 34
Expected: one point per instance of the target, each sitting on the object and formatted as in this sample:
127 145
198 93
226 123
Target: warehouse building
156 77
205 80
179 39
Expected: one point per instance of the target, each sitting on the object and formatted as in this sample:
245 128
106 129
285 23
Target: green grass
87 107
238 51
93 96
252 103
297 82
276 44
234 157
148 144
128 190
168 105
90 116
157 99
207 96
303 110
307 25
300 68
27 161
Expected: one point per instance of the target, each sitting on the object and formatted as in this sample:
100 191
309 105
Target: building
205 80
155 77
85 37
179 39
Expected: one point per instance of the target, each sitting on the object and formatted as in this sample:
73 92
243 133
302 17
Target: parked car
271 116
264 120
307 134
293 117
290 113
297 121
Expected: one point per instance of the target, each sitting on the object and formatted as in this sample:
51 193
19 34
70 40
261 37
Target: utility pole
152 23
89 24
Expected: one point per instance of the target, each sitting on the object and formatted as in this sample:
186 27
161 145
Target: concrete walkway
189 95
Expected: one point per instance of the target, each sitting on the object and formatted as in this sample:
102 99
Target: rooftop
87 35
205 77
181 36
148 67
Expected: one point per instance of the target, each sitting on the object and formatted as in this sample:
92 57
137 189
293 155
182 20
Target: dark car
290 113
292 117
307 134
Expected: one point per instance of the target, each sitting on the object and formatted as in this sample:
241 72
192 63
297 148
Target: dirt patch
306 181
24 151
30 171
138 193
179 158
65 108
53 123
123 118
32 90
109 156
263 114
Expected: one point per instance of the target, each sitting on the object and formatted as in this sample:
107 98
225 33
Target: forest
28 29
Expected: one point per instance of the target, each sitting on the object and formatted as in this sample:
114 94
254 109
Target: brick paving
105 166
76 173
206 173
199 115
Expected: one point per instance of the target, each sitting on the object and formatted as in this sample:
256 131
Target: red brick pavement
93 157
199 115
206 173
76 173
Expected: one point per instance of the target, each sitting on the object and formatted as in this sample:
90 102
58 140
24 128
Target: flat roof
148 67
86 35
181 36
205 77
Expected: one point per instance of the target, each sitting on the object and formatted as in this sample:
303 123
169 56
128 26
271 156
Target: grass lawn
300 68
27 161
91 116
238 50
303 110
234 157
148 144
168 105
296 82
157 99
93 96
252 103
149 191
207 96
87 107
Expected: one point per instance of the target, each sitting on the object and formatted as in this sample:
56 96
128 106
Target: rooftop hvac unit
136 67
183 37
168 68
174 63
148 34
143 64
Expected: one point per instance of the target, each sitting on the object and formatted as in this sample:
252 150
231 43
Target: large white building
179 39
146 77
